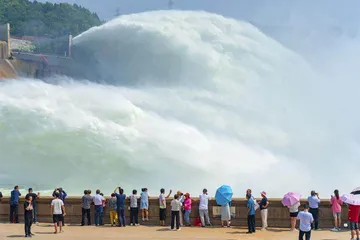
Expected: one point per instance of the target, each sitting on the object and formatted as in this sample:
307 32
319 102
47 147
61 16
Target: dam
18 63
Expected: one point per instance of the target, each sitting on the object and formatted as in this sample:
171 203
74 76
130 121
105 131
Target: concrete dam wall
278 215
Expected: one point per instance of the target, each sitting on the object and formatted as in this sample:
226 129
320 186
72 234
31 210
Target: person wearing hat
264 203
181 200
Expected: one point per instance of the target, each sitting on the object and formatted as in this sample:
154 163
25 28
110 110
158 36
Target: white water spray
188 100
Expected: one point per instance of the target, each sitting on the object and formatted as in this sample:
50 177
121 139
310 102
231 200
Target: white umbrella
351 199
356 191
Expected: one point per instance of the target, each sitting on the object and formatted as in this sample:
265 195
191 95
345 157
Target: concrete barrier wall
278 215
5 40
7 70
3 50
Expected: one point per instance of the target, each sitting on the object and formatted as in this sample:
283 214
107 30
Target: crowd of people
181 207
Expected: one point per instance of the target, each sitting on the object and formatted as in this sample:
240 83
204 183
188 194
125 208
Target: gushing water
182 100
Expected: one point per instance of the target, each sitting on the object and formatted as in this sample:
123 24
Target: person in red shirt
353 217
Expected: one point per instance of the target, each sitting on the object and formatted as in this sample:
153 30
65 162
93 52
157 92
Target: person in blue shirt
314 201
251 214
120 202
306 219
14 205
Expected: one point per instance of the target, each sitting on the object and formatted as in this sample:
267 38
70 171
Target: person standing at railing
264 203
314 201
14 205
34 205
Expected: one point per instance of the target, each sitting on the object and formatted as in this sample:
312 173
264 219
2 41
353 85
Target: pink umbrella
351 199
290 198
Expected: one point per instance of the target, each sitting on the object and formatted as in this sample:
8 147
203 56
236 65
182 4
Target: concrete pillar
8 38
69 45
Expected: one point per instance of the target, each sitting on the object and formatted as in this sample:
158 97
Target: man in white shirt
58 211
98 201
203 208
306 219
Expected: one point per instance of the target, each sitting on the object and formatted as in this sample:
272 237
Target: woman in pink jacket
187 208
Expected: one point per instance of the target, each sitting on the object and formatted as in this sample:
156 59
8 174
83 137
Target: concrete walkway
45 231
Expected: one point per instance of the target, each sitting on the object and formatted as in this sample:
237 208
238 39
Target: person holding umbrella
223 197
353 200
292 201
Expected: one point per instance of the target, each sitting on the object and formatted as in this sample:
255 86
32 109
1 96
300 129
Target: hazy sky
279 12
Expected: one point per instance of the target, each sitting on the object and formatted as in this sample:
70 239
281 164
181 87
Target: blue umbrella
223 195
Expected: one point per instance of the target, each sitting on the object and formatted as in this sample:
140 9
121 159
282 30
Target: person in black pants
14 205
28 215
175 212
86 205
314 201
251 214
134 210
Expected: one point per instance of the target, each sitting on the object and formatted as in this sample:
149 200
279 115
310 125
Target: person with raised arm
314 201
204 208
336 203
162 206
34 200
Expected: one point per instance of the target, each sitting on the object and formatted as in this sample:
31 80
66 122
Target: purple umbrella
351 199
290 199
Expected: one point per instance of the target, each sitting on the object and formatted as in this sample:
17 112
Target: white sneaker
334 230
294 230
263 229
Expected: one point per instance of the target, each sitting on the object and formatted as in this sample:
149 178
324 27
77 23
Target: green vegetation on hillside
32 18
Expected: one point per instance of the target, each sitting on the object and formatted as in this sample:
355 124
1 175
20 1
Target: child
353 217
306 219
144 204
113 210
28 215
187 208
175 212
225 215
251 214
134 210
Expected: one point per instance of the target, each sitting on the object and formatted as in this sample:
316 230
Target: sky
304 26
276 13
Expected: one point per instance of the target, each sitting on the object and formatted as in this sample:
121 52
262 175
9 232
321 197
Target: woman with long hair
336 210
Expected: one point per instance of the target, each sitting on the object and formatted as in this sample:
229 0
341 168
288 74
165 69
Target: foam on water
188 100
